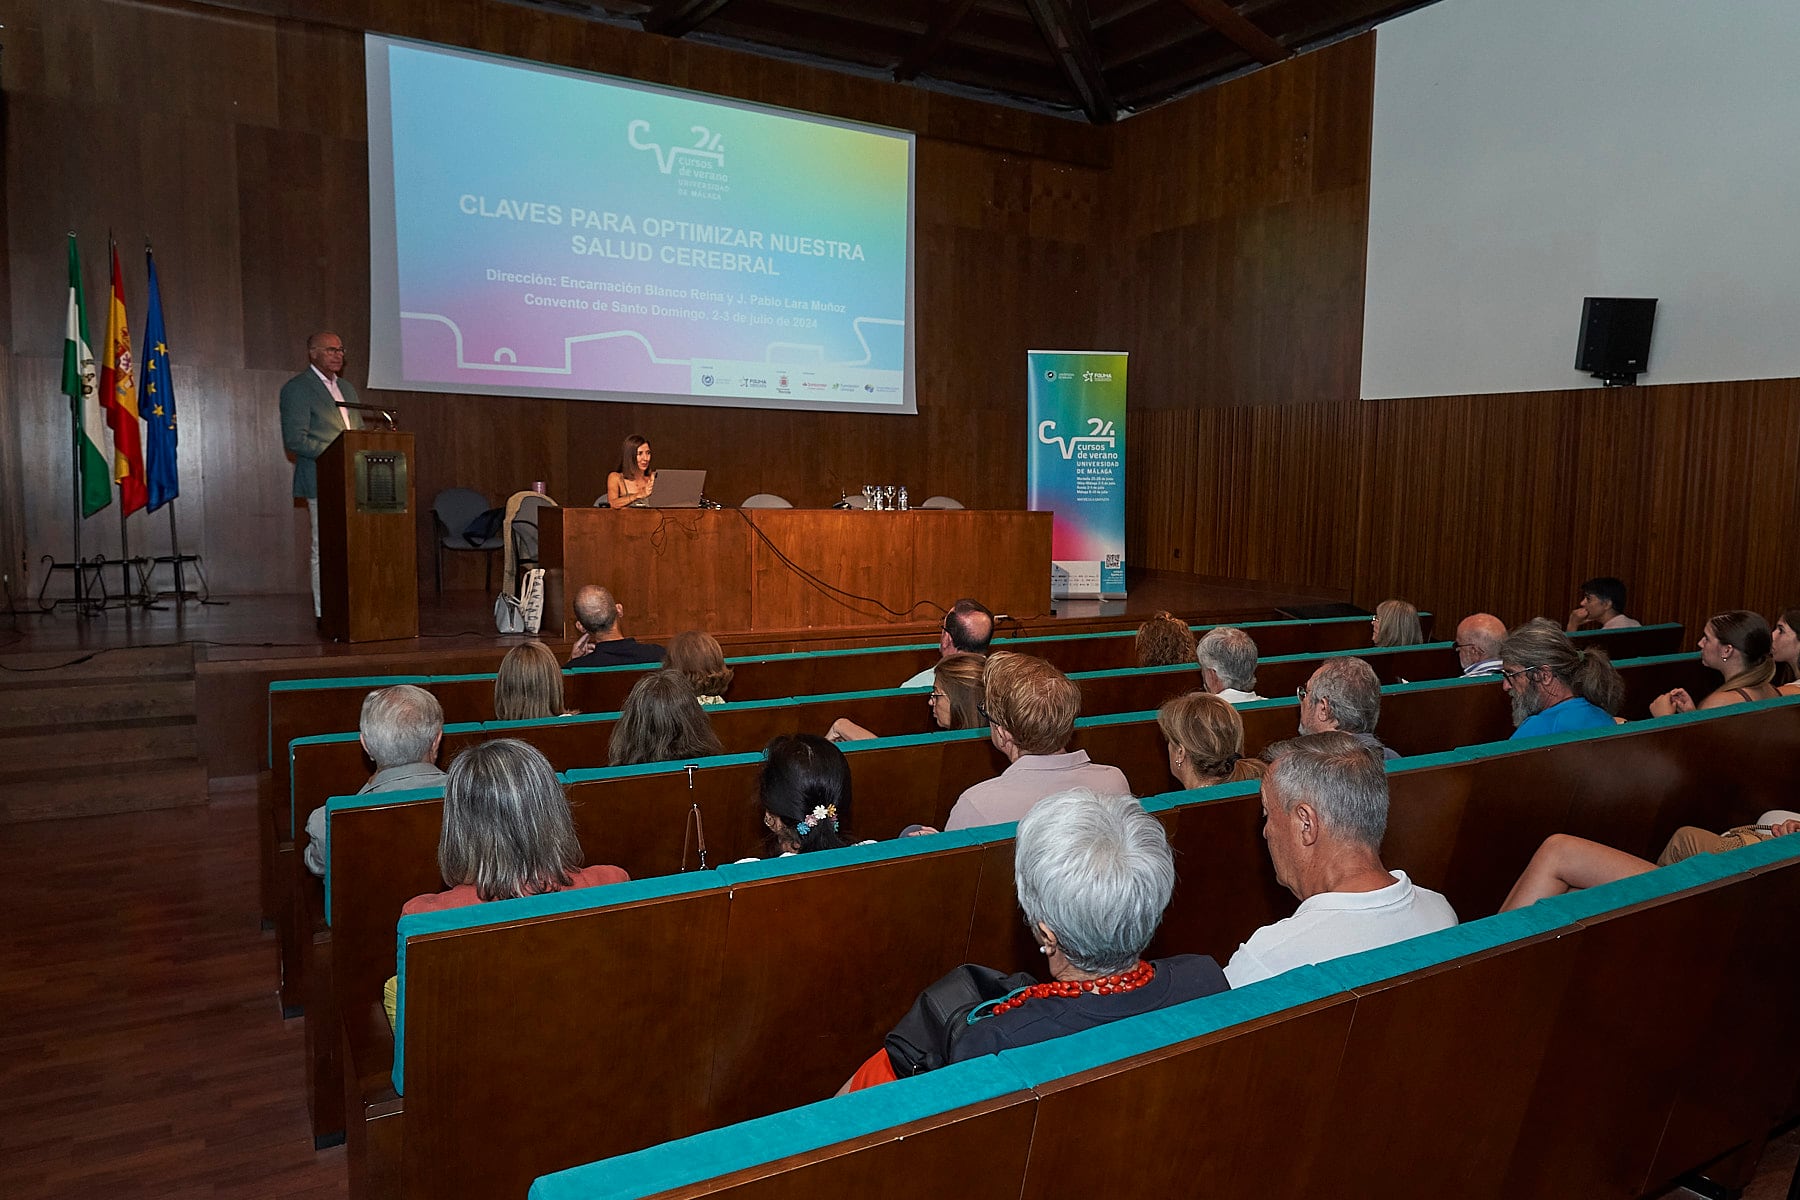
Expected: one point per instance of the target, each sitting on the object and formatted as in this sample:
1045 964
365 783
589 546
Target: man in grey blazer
314 410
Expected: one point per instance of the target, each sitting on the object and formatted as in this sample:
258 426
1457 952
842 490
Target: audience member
659 721
1343 695
1093 874
1784 648
1566 863
1325 807
1602 603
1206 741
1164 641
804 790
529 685
400 729
955 699
698 657
1396 623
1227 659
1737 645
1031 709
1554 687
506 833
967 628
602 642
1478 639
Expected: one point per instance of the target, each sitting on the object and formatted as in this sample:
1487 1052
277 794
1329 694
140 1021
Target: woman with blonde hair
1164 641
529 685
1737 645
698 656
1206 741
1396 623
955 698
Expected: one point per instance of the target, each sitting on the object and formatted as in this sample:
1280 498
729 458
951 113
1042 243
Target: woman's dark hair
628 456
806 782
1748 634
1786 673
660 720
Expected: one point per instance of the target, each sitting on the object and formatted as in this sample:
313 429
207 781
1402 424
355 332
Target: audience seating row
656 820
1592 1046
720 997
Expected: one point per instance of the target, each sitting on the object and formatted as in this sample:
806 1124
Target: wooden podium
368 563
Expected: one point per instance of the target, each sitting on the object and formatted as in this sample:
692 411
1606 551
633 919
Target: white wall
1528 153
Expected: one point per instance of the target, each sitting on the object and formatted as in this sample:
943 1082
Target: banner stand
1076 467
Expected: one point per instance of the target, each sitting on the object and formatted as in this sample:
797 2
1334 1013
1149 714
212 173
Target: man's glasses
982 709
1300 693
1509 676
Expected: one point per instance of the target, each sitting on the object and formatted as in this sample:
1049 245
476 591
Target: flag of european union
156 403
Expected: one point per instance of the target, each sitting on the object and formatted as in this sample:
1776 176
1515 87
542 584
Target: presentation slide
543 232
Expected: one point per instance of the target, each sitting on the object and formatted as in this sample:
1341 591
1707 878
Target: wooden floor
142 1050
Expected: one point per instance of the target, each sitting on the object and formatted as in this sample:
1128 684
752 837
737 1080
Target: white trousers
312 514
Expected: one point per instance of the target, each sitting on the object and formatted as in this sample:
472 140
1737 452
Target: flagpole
75 495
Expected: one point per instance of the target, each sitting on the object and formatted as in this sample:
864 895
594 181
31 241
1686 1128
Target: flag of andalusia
80 385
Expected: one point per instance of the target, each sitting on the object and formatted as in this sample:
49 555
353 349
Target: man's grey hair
1231 655
399 724
1097 871
1348 686
1341 775
595 609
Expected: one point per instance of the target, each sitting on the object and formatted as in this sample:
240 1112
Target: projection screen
536 231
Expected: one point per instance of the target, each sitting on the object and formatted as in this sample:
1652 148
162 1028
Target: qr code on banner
1112 562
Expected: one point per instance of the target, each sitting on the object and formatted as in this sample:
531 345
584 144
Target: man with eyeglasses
1554 687
316 406
1478 640
968 627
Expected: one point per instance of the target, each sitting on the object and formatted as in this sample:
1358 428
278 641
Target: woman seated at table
634 480
1093 875
529 685
1396 623
1206 741
1736 645
1165 641
804 791
1566 863
955 699
659 721
698 657
506 833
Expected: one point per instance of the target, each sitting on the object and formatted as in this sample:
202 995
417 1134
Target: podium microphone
385 414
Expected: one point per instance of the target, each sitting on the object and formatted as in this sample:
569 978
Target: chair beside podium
368 573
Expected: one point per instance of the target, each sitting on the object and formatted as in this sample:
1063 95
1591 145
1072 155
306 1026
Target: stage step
87 735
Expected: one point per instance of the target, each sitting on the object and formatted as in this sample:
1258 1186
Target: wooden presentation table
731 569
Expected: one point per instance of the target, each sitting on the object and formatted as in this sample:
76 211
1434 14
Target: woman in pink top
507 831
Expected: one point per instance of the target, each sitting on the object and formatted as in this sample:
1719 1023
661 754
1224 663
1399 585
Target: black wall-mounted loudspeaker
1615 338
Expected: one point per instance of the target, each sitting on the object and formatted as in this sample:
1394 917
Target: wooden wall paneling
254 533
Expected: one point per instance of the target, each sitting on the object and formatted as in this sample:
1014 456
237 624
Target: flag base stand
178 564
90 586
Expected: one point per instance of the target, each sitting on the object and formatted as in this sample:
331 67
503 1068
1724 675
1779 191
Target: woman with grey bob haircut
507 831
1093 875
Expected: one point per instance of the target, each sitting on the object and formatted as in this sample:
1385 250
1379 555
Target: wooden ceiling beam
1248 36
1067 33
674 18
949 16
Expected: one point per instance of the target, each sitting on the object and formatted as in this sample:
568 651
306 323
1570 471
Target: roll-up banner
1077 469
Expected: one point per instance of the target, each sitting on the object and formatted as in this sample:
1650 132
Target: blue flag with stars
156 403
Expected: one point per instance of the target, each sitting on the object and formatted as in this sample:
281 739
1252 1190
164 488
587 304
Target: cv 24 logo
1100 433
709 146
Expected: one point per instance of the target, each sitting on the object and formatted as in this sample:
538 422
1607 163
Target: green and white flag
79 384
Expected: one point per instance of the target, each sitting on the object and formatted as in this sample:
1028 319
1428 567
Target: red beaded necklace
1107 985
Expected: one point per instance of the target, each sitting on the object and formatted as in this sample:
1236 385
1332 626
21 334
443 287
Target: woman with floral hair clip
805 792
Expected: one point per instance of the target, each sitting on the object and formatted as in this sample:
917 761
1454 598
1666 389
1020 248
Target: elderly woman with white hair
1093 875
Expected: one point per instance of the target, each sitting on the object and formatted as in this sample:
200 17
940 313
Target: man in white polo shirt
1325 803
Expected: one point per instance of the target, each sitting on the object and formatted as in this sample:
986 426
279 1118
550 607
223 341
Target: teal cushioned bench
370 682
323 739
338 804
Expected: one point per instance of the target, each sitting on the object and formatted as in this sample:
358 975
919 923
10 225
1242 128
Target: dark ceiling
1098 59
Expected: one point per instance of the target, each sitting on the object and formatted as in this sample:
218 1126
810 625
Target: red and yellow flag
119 396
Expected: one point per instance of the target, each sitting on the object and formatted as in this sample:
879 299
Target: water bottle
903 503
